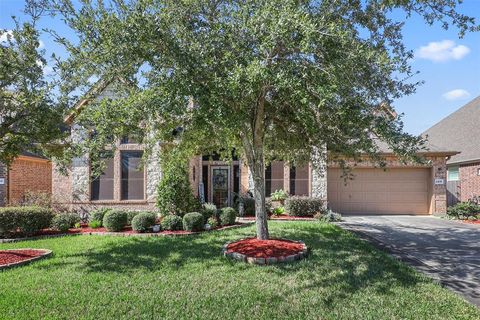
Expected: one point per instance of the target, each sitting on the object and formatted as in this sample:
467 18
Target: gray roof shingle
459 131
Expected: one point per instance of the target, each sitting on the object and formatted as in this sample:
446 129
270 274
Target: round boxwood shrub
131 215
143 221
227 216
208 210
172 222
97 215
193 221
62 222
115 220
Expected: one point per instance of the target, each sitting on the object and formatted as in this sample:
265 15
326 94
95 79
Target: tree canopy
29 118
270 79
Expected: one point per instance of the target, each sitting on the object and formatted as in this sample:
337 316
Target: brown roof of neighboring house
459 131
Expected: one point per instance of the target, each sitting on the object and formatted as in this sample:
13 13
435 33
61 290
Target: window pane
453 174
102 186
132 176
299 180
274 177
129 139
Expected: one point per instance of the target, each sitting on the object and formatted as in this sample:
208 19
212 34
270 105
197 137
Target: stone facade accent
153 173
469 180
319 173
3 187
80 169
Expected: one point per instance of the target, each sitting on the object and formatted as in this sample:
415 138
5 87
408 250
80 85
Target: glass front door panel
220 187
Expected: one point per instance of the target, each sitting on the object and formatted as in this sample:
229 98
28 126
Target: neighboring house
401 189
27 173
461 131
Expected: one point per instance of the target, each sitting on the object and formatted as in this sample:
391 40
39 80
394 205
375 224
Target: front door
220 190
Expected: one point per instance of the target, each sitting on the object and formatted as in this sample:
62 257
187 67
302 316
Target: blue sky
449 66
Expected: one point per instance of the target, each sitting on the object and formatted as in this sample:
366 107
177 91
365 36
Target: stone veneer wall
469 181
3 187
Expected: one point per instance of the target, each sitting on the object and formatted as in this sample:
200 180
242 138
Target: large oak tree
266 78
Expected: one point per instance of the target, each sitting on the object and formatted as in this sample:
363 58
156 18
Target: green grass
95 277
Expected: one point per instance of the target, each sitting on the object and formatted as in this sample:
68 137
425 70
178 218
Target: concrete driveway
447 251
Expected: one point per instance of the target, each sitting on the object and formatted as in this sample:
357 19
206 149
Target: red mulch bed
14 256
127 230
272 248
282 217
472 221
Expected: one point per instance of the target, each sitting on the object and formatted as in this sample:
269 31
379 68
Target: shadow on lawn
338 259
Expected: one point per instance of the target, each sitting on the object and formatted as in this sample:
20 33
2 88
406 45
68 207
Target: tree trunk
256 163
258 172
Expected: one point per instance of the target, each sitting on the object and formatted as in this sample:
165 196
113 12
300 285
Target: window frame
449 171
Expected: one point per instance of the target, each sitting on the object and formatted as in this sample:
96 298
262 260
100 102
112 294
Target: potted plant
278 198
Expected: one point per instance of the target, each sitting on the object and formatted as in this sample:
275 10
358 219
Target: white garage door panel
375 191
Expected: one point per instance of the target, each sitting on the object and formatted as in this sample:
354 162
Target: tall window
453 173
299 181
273 177
132 186
102 186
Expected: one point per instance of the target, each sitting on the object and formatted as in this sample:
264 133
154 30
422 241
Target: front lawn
104 277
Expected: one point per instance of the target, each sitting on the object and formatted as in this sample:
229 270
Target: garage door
375 191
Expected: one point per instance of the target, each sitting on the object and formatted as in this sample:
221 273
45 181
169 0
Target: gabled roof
459 131
91 94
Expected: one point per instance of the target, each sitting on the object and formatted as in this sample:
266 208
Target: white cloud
3 37
46 69
41 44
456 94
442 51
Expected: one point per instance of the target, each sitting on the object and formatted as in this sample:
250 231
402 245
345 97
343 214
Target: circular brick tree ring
262 252
18 257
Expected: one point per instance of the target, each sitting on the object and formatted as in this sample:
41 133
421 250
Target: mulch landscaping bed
270 251
17 257
282 218
471 221
127 231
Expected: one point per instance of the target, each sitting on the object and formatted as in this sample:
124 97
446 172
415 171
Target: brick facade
469 181
29 174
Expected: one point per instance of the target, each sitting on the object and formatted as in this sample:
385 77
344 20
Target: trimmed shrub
115 220
94 224
36 199
143 221
278 211
172 222
227 216
131 214
174 192
213 222
248 205
98 214
209 210
26 220
304 206
193 221
464 210
64 221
